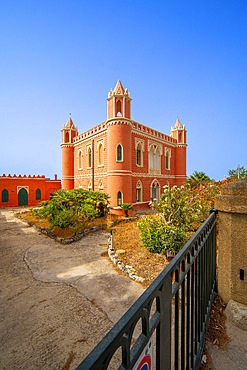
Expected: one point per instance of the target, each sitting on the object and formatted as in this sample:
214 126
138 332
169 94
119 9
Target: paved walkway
235 357
56 302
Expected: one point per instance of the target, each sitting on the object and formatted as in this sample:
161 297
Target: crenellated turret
119 146
178 132
69 131
119 102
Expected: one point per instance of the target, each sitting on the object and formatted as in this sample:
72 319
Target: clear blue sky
178 58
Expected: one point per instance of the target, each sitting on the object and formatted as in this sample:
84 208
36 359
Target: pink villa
121 157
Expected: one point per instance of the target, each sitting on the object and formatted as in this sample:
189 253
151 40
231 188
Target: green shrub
69 207
158 237
65 218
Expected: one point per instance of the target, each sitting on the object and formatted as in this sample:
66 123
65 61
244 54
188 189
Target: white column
114 108
123 106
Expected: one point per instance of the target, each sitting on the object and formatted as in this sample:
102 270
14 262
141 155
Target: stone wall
232 242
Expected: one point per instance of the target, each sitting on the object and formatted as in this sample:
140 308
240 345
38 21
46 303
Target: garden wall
232 242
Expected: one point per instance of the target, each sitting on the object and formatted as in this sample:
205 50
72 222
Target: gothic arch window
119 108
168 159
119 153
90 185
66 137
5 196
154 158
157 159
89 159
38 194
151 157
100 154
119 198
80 159
139 191
139 155
101 185
155 191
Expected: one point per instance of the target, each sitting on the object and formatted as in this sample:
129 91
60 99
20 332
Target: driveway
56 302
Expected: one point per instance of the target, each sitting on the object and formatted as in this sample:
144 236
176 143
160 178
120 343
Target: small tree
179 211
240 172
197 179
126 207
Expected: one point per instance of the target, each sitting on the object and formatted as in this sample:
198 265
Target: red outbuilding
25 190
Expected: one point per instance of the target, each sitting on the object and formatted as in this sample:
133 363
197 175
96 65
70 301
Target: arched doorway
22 197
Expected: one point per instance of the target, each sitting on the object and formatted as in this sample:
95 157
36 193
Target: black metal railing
167 324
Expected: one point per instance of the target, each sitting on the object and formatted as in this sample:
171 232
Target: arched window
80 159
155 190
89 153
119 152
90 185
38 194
101 185
66 137
151 157
100 154
119 110
168 157
139 191
157 159
139 155
5 196
119 198
154 159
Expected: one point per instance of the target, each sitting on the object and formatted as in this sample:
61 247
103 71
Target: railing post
163 336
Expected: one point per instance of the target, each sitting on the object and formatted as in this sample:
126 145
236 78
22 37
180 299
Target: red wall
13 184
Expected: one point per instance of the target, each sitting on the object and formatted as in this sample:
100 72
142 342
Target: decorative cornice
78 140
119 121
118 173
67 145
136 174
154 138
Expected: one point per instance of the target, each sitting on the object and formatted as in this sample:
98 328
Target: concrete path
56 302
235 356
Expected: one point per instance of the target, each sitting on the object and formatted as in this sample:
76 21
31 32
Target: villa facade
121 157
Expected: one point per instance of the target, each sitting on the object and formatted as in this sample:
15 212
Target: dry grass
127 244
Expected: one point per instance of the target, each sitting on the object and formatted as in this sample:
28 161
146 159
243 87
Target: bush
186 206
158 237
180 211
69 207
65 218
